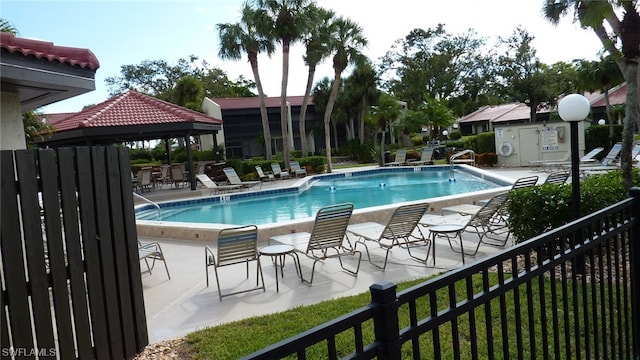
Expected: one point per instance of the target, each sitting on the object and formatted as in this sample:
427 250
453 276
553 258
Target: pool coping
209 231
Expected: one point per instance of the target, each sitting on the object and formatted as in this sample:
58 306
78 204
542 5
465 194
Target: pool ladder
150 202
454 159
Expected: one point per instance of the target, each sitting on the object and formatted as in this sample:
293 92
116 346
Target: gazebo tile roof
132 108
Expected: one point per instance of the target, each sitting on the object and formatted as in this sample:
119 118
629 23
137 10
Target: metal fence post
634 244
385 319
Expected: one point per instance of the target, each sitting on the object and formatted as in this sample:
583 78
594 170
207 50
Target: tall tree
600 75
158 78
433 63
249 36
288 19
362 84
188 92
316 40
384 113
524 77
621 39
347 42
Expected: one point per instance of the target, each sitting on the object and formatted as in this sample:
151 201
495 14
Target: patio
184 304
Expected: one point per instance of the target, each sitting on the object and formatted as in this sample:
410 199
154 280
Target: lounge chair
178 175
235 246
425 158
469 209
560 164
489 223
558 177
401 158
278 173
296 170
215 188
152 251
143 179
234 179
262 176
400 231
326 240
540 164
607 163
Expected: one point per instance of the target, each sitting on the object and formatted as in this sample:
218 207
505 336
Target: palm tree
387 110
600 75
364 80
316 40
248 36
288 21
6 26
595 15
347 42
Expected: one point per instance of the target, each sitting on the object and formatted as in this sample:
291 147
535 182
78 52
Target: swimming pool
365 189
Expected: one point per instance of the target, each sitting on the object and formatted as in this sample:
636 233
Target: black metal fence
571 293
71 285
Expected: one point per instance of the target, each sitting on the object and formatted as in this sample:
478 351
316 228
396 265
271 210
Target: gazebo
132 116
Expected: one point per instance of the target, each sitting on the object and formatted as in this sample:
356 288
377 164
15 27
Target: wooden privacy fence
71 285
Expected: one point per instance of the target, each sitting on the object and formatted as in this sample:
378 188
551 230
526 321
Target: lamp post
602 122
445 133
574 108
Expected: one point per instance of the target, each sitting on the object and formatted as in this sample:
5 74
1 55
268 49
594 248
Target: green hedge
537 209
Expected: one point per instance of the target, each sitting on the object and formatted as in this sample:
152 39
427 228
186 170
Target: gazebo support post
167 150
192 178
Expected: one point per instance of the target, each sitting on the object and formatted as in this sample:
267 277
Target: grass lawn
240 338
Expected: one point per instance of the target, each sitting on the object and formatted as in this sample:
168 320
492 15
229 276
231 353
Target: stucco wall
526 143
11 127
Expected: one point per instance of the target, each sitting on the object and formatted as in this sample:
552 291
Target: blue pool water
368 190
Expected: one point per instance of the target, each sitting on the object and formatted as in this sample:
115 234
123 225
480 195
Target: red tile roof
132 108
489 113
617 96
254 102
39 49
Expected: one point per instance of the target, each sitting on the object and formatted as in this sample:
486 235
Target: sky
128 32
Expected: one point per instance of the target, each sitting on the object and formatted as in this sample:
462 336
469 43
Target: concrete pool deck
185 304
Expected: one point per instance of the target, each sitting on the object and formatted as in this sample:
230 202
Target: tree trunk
253 60
335 134
609 117
327 116
363 112
303 110
382 139
284 120
631 118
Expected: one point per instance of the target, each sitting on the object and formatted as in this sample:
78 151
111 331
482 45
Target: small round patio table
277 254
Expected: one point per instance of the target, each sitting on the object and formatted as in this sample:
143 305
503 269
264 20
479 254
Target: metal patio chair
326 240
400 231
236 245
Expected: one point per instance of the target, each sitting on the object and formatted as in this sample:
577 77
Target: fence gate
71 285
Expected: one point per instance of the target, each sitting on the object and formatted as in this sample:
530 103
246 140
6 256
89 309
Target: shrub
537 209
357 151
486 143
486 159
140 154
455 135
471 143
417 140
598 136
